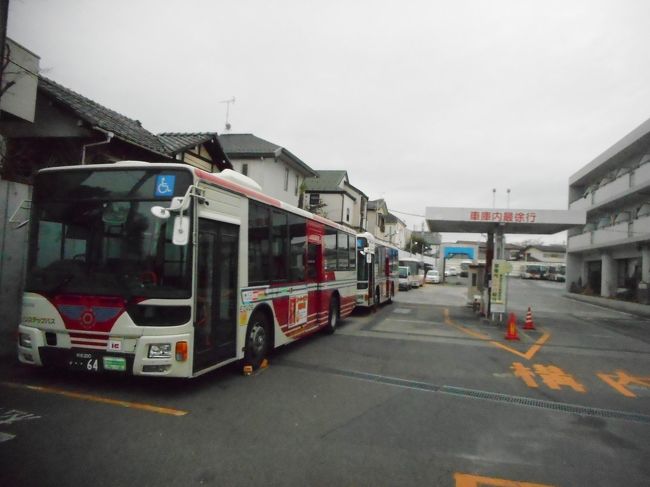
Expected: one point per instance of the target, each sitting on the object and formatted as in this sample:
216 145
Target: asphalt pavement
421 392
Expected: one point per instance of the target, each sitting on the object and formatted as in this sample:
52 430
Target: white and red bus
377 273
166 270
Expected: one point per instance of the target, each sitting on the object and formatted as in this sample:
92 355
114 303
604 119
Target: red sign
503 216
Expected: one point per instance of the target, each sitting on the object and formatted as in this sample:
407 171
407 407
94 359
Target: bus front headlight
160 350
25 340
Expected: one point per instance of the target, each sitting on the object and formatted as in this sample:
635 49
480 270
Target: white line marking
6 437
402 311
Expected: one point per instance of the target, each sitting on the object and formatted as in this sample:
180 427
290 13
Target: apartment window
347 214
286 179
297 185
244 169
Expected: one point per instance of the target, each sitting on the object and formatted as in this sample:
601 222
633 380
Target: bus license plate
85 361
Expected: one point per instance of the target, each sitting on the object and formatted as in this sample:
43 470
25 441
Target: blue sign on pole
451 251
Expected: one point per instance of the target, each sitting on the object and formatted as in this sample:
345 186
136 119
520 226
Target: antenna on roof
228 102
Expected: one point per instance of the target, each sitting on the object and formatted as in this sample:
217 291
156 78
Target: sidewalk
625 306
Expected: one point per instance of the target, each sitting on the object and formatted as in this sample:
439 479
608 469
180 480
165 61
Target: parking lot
420 392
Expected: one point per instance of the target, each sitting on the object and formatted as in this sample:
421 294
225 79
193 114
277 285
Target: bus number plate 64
85 361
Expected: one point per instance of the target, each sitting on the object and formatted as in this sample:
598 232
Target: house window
297 185
244 169
347 214
286 179
314 199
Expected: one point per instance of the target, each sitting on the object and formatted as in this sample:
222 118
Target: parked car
404 278
432 277
451 271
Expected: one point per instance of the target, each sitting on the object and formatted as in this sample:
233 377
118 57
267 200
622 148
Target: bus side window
258 243
342 251
330 249
297 239
279 247
312 260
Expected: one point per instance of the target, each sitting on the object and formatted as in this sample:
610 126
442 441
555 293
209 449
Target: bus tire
333 316
258 340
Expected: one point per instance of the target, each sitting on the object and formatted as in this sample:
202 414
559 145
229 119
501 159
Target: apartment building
610 255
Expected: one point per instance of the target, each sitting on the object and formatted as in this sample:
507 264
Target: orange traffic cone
511 332
529 325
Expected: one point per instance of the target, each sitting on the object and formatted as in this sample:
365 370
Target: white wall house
331 195
377 214
610 255
395 231
279 172
545 253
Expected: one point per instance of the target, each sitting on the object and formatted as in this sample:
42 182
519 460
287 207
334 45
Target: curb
641 310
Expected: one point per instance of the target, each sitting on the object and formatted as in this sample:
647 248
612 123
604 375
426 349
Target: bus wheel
258 340
377 297
333 317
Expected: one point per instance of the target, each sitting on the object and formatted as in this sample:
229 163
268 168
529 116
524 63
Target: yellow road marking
104 400
475 334
467 480
531 351
482 336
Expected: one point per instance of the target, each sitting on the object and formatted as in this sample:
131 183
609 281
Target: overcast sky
424 103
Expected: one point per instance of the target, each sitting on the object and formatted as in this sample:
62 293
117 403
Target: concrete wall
13 247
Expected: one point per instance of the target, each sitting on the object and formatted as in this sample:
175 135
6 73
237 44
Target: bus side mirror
181 231
160 212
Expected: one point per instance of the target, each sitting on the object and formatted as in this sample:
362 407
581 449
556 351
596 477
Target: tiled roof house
330 194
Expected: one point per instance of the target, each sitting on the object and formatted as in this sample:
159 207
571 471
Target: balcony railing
637 178
612 189
620 233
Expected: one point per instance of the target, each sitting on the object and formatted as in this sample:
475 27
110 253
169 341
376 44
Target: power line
405 213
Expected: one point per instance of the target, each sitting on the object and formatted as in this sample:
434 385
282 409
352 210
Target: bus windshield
93 233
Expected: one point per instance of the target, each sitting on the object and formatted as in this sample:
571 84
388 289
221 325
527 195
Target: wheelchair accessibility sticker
165 185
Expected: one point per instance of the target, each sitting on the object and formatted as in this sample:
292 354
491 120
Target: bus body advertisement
167 270
377 276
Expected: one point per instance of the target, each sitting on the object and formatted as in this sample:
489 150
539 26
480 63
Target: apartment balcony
619 234
621 187
641 227
611 234
611 190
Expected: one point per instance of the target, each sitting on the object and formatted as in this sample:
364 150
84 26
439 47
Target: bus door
314 265
387 272
216 293
371 277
